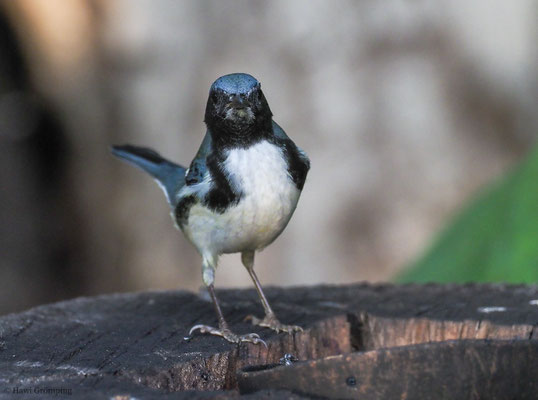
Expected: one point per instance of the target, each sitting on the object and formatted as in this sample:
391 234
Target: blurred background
419 118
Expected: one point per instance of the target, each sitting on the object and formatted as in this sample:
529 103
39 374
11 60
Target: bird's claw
252 338
271 321
229 335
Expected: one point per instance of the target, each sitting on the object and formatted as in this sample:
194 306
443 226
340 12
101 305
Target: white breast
268 200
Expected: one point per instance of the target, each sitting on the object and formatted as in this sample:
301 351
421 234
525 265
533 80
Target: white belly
268 200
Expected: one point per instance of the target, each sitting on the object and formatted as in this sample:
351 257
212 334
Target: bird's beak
238 102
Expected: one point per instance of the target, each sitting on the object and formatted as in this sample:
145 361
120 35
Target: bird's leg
270 320
223 330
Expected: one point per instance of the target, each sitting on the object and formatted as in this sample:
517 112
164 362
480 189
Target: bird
238 193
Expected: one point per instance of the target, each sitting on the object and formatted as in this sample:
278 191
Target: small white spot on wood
488 310
332 304
78 370
27 363
533 302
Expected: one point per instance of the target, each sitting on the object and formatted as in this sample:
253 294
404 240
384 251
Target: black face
237 112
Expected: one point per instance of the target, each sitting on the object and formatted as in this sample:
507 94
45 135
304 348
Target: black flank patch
297 166
182 210
221 196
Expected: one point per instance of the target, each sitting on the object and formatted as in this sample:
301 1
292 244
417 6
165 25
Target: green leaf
493 239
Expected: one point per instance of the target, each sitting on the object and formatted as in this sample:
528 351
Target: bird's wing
280 134
198 168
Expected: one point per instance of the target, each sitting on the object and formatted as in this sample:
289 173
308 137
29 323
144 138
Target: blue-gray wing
281 135
198 168
279 132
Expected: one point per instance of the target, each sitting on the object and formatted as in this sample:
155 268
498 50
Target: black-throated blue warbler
238 193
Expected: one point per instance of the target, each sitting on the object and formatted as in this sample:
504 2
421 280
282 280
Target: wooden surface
132 344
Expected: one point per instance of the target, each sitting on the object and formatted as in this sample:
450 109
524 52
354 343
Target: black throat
227 134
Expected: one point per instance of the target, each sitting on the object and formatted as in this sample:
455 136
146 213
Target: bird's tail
170 176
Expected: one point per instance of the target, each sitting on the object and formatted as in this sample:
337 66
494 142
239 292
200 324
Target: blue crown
235 83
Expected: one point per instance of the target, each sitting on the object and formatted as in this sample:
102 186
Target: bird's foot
271 321
228 334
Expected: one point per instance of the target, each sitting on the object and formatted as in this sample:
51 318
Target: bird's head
236 107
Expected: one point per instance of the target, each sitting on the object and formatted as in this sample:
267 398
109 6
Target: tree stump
378 341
